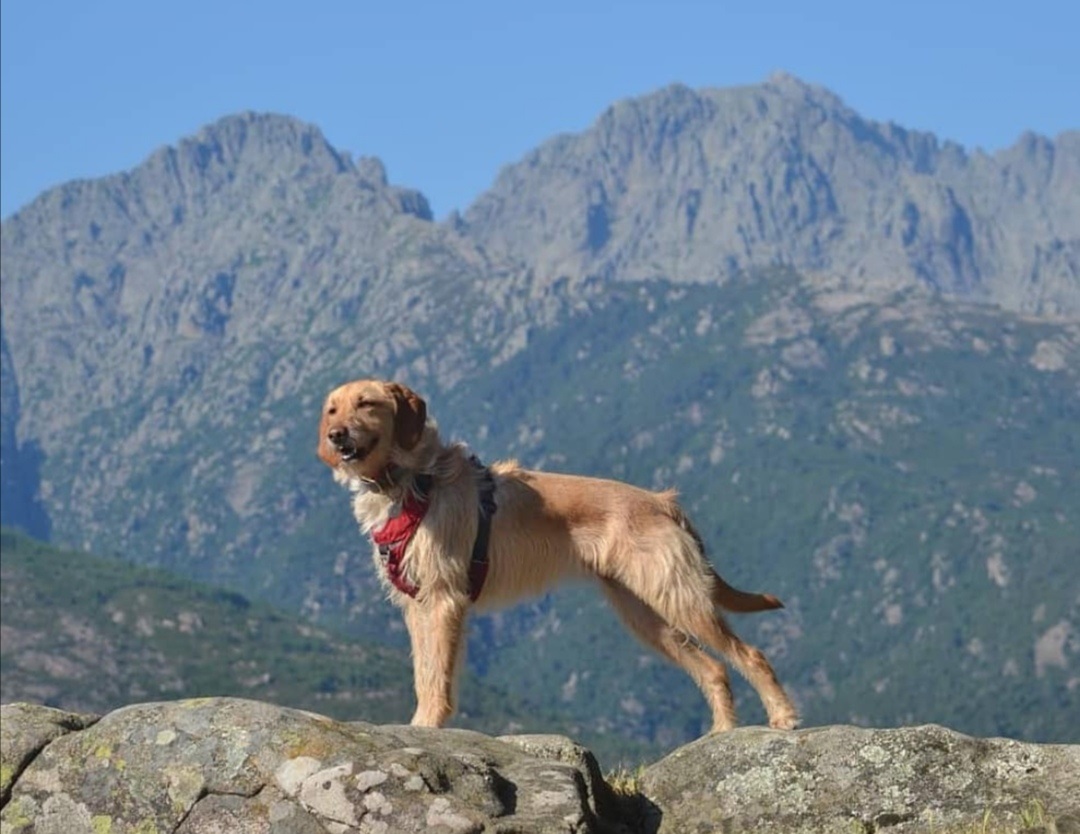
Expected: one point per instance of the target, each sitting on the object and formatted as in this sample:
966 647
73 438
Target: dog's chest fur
372 509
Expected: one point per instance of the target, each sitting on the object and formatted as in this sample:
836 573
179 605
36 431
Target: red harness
394 536
392 539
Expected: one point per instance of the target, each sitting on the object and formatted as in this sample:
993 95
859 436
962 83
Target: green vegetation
625 780
1031 816
92 634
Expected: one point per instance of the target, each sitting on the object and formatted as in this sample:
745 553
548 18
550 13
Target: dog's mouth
351 451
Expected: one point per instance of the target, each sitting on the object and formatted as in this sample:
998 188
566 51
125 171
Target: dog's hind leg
713 631
436 628
706 671
672 577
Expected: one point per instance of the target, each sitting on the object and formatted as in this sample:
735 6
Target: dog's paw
433 718
784 722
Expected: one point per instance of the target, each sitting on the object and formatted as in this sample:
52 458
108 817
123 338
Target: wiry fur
638 544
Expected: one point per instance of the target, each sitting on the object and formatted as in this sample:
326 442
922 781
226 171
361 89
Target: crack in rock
27 730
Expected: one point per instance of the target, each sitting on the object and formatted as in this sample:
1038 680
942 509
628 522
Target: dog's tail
723 595
741 602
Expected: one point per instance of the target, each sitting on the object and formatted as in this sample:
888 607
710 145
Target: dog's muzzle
346 445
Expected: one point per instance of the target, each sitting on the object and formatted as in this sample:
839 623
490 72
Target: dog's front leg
436 626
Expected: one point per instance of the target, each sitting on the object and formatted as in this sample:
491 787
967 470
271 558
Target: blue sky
445 93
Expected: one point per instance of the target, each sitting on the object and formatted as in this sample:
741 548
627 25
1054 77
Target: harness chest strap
392 539
394 536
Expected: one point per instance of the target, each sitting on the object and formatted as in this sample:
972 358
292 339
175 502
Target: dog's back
551 527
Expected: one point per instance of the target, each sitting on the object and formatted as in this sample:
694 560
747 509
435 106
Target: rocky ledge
230 765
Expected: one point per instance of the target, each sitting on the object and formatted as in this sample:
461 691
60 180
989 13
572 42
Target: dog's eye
332 410
360 403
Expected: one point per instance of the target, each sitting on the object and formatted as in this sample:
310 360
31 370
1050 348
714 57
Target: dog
451 535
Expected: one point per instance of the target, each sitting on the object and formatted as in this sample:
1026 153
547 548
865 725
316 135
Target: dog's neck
407 472
393 481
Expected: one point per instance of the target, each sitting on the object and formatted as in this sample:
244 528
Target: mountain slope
87 634
697 185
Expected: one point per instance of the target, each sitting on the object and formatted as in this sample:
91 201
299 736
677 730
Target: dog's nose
336 435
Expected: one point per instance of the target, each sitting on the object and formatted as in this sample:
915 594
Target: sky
446 93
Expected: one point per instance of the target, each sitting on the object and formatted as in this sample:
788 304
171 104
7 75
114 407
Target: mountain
878 425
204 299
698 185
19 462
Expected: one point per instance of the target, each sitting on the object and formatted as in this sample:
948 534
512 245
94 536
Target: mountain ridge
785 173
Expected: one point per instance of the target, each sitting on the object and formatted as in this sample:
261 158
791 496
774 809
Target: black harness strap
478 565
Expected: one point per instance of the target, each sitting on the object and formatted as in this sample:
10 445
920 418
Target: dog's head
365 422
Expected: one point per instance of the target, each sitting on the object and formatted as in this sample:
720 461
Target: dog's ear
327 453
411 416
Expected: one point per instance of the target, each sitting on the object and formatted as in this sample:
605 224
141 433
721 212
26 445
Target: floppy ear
410 417
326 452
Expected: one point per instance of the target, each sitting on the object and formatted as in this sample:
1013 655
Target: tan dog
638 544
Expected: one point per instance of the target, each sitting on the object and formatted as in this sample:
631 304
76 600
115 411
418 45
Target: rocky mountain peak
783 78
147 272
696 186
235 163
371 168
262 140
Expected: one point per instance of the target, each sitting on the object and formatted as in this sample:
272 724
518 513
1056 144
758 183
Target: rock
27 729
838 778
573 760
223 764
217 765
